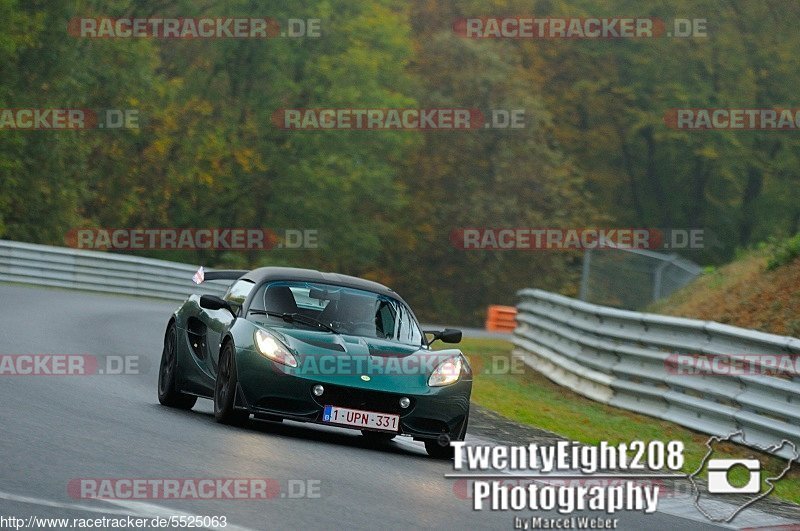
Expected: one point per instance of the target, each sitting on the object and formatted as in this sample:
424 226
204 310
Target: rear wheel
377 437
168 393
225 389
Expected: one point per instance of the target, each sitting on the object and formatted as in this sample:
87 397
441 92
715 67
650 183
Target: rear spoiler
223 274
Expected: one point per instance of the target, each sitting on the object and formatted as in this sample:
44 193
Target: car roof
268 274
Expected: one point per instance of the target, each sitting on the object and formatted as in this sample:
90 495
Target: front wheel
168 393
225 389
441 449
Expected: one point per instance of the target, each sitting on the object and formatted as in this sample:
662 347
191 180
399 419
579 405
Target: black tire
441 449
168 392
225 390
436 450
377 437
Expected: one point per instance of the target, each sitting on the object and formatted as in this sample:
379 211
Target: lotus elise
301 345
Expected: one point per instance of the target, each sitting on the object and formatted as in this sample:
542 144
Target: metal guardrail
43 265
622 358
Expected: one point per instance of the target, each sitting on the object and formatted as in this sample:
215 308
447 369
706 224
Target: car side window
385 320
239 291
404 328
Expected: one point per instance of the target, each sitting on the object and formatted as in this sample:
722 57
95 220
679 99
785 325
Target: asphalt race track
58 428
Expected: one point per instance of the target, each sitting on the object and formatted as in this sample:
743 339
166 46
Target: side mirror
212 302
448 335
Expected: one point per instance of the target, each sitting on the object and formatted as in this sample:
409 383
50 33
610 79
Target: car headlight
447 372
273 349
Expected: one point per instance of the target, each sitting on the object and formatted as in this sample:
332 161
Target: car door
219 321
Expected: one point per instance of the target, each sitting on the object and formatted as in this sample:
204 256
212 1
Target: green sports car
298 344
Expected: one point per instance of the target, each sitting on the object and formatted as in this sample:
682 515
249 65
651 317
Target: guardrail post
587 262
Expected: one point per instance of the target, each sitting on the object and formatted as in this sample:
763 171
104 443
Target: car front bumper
433 411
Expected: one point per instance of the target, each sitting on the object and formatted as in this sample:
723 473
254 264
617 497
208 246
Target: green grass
530 398
783 252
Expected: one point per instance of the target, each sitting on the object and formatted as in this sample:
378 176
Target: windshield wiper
299 317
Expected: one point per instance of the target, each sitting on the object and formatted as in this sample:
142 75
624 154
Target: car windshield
347 310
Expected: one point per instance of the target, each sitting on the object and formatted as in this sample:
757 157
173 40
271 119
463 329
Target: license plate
361 419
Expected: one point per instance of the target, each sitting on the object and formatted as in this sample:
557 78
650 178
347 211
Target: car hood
357 361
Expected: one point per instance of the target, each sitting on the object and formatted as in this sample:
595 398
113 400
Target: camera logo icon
718 482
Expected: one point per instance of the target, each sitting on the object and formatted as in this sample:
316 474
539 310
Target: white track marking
130 508
60 505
